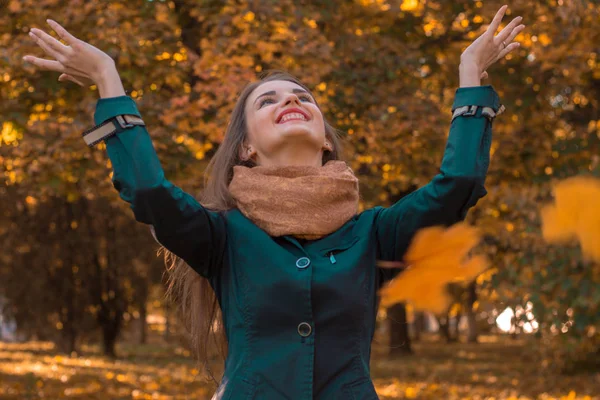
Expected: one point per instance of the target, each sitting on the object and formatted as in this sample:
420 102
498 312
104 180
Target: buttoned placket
305 328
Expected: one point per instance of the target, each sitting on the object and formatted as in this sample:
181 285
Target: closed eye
304 97
264 100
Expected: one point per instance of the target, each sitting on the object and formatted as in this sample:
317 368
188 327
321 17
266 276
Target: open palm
77 61
489 48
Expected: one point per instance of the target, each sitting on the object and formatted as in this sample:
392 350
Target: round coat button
302 262
304 329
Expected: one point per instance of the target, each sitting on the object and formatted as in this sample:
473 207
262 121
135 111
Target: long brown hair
194 295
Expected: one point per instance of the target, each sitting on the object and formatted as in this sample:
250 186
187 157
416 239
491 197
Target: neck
289 156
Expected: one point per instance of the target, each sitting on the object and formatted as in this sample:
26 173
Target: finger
505 33
53 65
497 19
50 41
77 73
62 32
484 75
514 34
507 50
49 50
67 77
50 65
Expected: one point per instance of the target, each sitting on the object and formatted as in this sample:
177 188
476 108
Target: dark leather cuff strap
487 112
111 127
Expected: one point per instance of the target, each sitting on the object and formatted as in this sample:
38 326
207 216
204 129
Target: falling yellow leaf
575 214
436 257
437 241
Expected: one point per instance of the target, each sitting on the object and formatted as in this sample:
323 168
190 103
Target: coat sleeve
180 223
459 185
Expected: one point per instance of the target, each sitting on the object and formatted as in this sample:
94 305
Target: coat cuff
107 108
482 96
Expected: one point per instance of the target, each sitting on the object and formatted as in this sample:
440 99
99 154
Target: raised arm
460 183
181 224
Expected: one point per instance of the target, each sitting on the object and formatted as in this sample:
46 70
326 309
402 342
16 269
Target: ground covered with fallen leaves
494 369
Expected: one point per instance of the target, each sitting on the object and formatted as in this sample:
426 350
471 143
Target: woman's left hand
487 48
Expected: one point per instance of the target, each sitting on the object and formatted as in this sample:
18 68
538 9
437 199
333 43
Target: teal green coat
299 315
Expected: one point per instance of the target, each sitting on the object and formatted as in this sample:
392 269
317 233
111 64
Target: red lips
292 110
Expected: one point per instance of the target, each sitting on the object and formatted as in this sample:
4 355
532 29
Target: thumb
484 75
67 77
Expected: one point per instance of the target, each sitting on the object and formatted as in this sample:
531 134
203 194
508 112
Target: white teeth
289 116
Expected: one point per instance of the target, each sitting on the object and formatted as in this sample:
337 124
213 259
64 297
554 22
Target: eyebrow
272 93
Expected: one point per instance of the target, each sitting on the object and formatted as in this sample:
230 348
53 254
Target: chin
297 130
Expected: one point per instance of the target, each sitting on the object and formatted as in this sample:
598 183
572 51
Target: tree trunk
141 297
396 315
167 327
70 315
143 339
111 328
399 338
419 325
444 323
108 293
472 334
456 331
68 338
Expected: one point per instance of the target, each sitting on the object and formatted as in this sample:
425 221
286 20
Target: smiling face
285 126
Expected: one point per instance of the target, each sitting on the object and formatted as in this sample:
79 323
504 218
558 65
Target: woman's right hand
79 62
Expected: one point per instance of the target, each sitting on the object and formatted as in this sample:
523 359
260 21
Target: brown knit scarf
306 202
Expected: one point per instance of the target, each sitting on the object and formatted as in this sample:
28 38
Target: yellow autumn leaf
438 241
575 214
437 256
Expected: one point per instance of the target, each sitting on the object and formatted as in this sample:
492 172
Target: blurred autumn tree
385 73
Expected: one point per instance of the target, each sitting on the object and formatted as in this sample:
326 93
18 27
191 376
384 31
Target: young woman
277 245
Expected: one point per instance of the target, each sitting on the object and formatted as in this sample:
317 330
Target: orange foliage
436 257
575 215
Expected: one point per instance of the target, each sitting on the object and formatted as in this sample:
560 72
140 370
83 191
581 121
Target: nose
291 98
